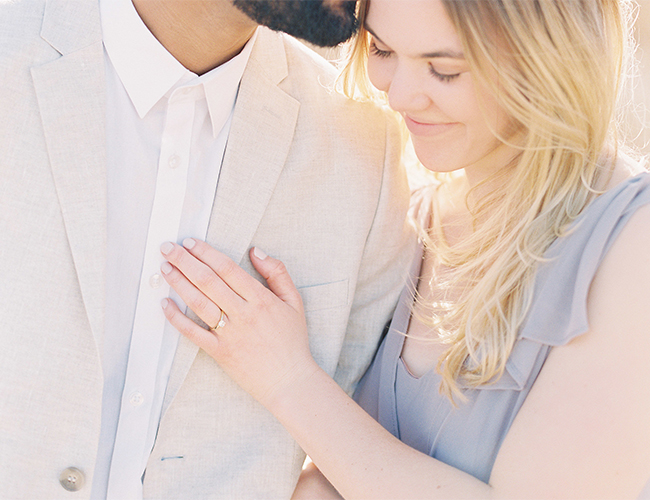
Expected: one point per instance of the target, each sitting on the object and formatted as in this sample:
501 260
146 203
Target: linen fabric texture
309 176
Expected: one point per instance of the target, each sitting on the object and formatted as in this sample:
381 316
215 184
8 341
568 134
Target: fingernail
259 253
166 247
164 303
166 268
189 243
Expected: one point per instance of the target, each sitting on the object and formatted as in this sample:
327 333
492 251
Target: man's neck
200 34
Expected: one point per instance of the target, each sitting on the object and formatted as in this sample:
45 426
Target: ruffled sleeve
559 309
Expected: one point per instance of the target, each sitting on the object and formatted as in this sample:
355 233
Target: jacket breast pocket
324 296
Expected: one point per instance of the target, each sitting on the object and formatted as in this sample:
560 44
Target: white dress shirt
166 134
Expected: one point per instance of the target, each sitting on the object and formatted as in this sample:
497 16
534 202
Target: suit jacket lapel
260 138
71 97
261 135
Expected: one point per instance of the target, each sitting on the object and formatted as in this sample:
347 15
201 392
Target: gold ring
221 323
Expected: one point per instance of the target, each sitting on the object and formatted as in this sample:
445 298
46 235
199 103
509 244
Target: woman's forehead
413 27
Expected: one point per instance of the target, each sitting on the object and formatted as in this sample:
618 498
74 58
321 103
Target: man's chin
310 20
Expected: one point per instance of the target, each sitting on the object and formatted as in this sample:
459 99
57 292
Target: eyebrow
448 54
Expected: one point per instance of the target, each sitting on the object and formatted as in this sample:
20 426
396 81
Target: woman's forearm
358 456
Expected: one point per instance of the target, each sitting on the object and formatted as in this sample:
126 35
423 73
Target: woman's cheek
379 73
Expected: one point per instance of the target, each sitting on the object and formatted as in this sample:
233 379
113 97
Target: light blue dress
469 436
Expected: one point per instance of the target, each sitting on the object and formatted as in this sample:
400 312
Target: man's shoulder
301 57
311 79
20 20
21 8
39 30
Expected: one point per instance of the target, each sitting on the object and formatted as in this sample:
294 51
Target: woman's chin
439 163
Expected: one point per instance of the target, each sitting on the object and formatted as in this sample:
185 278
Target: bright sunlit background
642 87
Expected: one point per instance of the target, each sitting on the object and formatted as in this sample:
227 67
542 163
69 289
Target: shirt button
72 479
155 281
136 399
174 161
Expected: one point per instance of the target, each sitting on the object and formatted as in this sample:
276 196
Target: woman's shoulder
627 168
630 164
600 291
630 237
627 191
618 219
596 383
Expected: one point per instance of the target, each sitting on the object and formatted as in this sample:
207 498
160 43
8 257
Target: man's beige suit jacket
308 176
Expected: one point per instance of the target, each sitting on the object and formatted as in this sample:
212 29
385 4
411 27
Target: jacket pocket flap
324 296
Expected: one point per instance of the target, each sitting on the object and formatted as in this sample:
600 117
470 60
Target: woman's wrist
299 381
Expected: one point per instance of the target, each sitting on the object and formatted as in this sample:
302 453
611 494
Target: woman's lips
427 129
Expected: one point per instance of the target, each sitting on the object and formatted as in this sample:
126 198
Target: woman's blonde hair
559 67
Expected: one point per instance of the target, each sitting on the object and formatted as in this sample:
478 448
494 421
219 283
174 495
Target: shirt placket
149 322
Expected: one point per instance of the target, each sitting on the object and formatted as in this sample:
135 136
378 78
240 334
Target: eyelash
376 51
441 77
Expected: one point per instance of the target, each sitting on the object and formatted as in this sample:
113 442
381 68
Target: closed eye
441 76
376 51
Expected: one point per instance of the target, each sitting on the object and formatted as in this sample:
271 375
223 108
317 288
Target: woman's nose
406 91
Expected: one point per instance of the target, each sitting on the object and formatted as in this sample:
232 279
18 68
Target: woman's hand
260 338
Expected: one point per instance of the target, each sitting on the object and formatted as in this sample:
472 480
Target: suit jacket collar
72 100
70 26
261 135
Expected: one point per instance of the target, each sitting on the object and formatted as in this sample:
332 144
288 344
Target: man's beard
309 20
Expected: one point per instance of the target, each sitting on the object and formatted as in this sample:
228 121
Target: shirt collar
148 71
222 84
144 66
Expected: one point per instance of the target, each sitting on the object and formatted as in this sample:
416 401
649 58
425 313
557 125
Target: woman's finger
234 276
202 277
204 307
276 275
204 339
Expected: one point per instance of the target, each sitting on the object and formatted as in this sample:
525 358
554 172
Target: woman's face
416 57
